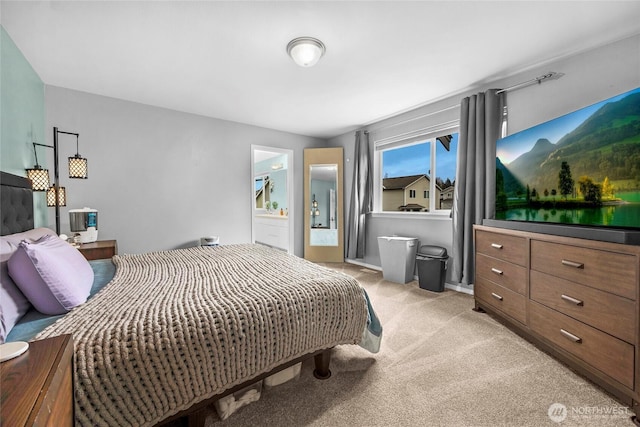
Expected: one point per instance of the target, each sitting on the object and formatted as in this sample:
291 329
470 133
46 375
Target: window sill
442 215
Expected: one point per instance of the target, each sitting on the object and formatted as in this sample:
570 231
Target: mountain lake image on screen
581 168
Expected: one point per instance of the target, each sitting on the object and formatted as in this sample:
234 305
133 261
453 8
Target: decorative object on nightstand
37 386
10 350
210 241
84 222
102 249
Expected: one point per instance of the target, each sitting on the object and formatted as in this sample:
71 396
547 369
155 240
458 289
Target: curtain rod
549 76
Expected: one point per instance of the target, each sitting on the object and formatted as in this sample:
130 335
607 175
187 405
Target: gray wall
161 179
590 77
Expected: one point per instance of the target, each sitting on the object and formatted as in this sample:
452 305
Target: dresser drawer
610 355
608 312
508 248
510 303
506 274
607 271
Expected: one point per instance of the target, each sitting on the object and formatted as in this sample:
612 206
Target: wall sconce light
51 196
77 169
306 51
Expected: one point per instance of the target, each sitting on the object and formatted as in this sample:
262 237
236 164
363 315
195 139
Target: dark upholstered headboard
16 204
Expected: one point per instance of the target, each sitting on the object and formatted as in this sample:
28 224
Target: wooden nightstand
37 386
99 250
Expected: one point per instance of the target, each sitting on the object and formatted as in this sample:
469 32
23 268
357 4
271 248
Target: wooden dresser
37 386
577 299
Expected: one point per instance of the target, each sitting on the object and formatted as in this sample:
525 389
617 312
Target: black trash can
432 267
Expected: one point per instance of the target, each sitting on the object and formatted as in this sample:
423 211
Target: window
416 166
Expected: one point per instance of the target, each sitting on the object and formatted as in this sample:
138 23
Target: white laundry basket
398 257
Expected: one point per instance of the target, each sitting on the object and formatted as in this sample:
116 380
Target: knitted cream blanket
174 328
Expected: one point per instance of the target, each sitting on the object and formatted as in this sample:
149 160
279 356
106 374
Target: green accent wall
22 117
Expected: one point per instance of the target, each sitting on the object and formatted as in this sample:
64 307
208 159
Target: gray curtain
481 120
361 198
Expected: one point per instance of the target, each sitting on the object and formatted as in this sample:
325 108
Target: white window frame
405 140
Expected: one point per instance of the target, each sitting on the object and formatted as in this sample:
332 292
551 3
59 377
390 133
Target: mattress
176 327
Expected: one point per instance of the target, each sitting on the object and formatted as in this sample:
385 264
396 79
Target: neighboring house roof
401 182
412 207
448 189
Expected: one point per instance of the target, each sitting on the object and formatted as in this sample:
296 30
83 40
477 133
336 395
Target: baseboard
363 264
460 288
454 287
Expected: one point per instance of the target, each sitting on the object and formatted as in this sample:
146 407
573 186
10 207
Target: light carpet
441 364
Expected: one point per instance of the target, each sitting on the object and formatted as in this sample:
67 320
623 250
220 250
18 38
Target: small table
99 250
37 386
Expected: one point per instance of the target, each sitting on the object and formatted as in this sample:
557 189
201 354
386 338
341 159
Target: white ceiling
228 60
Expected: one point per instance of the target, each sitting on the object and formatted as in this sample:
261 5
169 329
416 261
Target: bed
164 334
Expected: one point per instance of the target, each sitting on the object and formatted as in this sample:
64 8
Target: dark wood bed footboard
197 414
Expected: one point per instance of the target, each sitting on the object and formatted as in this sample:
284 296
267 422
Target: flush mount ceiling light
306 51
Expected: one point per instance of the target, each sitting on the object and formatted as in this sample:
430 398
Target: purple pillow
10 242
13 304
52 274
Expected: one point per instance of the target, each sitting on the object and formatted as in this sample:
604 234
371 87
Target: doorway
272 205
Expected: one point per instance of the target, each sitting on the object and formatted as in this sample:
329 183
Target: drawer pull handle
496 245
572 300
495 270
496 296
572 263
571 337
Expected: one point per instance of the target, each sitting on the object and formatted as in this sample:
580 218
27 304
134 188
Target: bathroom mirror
324 232
272 197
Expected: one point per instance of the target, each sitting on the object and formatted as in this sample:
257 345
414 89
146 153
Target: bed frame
16 211
197 414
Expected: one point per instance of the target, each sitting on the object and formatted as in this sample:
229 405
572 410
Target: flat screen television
576 175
